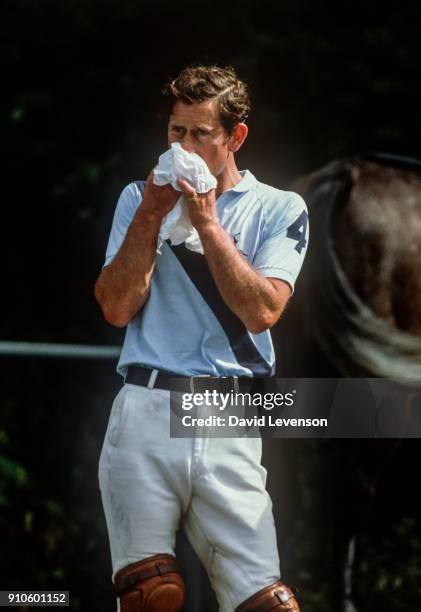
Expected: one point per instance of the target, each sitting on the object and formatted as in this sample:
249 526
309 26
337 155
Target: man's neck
229 177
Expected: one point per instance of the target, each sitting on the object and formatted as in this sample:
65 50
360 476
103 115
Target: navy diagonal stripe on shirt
241 344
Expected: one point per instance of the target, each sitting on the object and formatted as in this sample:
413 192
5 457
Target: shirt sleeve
282 251
127 205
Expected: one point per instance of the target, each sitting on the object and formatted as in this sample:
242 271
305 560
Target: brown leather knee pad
152 585
277 597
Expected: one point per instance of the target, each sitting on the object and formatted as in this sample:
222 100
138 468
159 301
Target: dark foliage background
79 104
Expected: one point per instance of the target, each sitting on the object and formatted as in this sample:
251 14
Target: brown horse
356 312
359 294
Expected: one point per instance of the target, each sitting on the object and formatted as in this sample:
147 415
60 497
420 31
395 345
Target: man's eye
202 133
176 129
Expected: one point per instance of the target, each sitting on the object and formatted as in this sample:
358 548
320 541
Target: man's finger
186 188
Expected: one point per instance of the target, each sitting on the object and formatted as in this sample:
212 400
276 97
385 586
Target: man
192 315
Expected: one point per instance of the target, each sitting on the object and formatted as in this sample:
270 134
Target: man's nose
187 143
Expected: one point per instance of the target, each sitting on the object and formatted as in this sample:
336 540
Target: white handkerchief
174 164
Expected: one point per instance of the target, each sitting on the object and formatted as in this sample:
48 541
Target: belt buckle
192 380
229 383
225 383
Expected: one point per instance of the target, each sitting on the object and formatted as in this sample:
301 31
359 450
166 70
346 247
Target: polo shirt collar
247 182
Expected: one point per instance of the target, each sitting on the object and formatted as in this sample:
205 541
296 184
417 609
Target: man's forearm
248 294
123 286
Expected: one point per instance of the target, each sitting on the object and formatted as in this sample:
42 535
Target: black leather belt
147 377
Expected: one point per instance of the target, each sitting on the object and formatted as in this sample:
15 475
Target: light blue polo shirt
185 327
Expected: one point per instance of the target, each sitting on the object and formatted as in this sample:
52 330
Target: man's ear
238 136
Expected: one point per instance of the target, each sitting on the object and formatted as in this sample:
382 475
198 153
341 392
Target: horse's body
378 241
357 308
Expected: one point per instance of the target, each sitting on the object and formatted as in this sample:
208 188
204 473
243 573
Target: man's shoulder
278 202
270 195
130 197
137 186
133 189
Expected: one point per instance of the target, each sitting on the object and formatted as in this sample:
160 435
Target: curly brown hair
202 83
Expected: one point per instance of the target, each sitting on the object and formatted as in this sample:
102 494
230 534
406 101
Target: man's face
198 129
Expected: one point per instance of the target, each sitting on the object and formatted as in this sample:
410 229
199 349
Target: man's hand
202 210
158 200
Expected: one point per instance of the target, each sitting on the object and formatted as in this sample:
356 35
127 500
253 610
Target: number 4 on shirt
297 231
